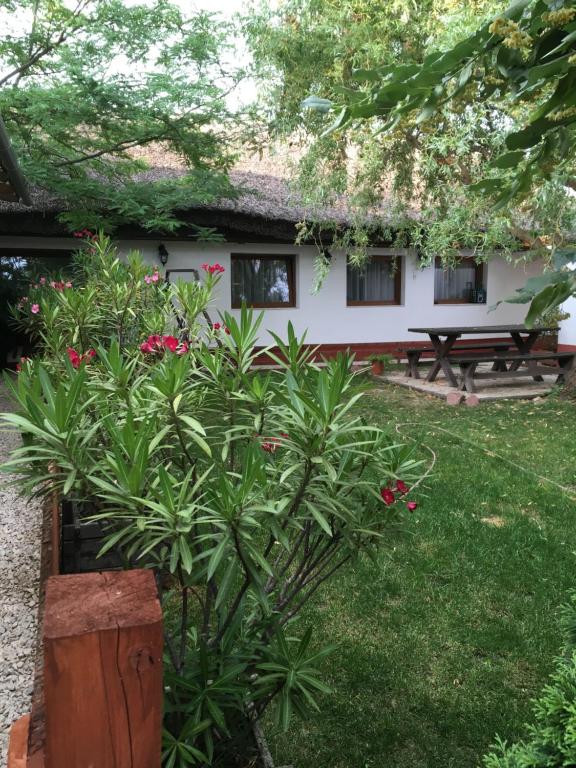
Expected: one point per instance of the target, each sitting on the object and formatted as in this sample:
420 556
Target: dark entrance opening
18 268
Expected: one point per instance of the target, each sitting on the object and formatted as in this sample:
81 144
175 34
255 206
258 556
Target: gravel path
20 537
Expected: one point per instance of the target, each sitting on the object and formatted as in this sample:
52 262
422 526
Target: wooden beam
103 671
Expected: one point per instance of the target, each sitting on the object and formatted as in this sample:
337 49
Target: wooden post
18 743
103 671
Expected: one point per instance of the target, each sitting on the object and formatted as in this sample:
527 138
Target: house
367 311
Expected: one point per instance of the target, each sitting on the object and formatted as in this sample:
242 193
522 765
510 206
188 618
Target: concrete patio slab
488 389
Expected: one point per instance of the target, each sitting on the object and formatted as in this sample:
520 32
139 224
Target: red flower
387 496
227 330
23 361
270 444
411 506
171 342
212 269
85 233
77 359
401 487
216 326
74 357
156 343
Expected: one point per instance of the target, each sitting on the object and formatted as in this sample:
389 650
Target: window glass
462 284
378 282
263 281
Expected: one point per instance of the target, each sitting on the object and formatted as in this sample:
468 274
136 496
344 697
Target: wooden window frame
290 260
478 281
389 258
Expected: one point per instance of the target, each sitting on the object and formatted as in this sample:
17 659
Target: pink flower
268 447
146 347
153 278
42 281
387 496
68 284
216 326
401 487
90 354
35 308
411 506
183 348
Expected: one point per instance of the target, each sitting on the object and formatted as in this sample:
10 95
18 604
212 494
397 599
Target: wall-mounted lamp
163 254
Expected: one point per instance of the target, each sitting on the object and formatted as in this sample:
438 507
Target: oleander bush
245 490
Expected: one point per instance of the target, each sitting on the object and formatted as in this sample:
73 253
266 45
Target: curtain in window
374 282
261 281
455 284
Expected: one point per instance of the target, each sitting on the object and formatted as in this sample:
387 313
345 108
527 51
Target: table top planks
463 330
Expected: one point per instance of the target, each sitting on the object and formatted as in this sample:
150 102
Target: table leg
442 349
525 347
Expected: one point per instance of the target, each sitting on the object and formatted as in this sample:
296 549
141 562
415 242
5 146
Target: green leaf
319 517
549 298
508 160
316 103
216 556
185 554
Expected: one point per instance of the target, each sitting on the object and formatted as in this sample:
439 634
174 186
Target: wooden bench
468 366
414 354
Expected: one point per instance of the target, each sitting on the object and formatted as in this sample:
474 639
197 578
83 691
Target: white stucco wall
325 315
568 327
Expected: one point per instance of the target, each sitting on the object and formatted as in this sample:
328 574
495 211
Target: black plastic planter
82 539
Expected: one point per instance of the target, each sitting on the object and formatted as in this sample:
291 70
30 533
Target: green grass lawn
443 646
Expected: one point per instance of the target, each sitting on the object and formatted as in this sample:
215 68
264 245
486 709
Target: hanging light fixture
163 254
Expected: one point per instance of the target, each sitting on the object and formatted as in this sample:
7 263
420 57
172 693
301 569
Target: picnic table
443 340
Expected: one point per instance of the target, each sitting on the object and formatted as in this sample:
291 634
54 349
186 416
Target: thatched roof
262 182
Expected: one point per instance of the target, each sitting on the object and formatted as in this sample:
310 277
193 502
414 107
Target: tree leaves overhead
81 87
524 59
413 125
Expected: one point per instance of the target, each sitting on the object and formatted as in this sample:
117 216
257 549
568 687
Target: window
263 281
378 282
462 284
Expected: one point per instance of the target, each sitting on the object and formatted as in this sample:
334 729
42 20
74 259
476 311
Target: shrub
551 741
245 490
